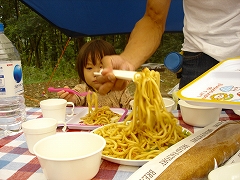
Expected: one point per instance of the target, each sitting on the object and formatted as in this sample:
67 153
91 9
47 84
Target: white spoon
120 74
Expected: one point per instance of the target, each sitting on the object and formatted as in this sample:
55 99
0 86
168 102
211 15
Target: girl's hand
66 95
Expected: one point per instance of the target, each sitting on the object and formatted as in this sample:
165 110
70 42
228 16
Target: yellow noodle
100 115
149 129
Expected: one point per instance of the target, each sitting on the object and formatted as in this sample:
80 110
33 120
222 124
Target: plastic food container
70 155
199 116
218 87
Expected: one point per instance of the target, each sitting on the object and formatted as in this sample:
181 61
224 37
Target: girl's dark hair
96 49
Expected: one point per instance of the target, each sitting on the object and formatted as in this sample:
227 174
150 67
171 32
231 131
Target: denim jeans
194 64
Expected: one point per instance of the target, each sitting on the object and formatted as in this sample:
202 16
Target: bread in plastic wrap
198 161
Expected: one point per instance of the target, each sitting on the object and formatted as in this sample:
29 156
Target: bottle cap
173 61
1 27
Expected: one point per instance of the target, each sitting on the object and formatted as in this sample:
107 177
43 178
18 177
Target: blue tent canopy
100 17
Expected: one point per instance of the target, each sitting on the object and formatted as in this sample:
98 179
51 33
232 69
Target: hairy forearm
146 35
142 44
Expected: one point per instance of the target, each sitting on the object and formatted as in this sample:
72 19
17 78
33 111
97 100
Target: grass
65 70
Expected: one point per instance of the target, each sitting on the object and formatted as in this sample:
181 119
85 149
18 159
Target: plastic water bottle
12 102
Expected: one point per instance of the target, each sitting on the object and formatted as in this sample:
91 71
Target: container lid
173 61
39 126
217 87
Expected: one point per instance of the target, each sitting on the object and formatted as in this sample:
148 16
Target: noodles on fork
100 115
149 129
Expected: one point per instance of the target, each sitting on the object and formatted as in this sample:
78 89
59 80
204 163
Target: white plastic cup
37 129
56 108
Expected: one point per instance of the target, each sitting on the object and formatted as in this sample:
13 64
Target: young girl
88 62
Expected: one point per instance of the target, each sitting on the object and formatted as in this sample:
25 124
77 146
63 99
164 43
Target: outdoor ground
36 92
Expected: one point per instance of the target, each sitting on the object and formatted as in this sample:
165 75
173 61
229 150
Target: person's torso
212 27
114 99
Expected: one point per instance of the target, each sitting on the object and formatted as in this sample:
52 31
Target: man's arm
143 42
146 35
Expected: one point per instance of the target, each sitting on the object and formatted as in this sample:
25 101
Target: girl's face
90 78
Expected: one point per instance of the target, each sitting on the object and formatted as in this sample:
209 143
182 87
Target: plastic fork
52 89
120 74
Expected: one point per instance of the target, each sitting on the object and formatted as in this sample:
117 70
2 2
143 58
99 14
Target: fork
120 74
52 89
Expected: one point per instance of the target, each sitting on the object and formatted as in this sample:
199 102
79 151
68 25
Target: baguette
198 161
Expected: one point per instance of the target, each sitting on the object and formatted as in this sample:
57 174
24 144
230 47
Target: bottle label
11 80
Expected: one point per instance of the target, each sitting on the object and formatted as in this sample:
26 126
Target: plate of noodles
148 130
117 157
105 115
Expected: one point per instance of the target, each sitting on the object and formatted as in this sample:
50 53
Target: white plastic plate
218 87
127 162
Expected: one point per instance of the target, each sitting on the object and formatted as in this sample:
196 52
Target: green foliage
171 42
65 70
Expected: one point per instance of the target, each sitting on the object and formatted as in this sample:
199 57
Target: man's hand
108 80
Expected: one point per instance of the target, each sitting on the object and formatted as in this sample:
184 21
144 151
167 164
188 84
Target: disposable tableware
120 74
52 89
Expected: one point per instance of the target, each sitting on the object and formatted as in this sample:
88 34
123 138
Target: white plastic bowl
168 102
71 155
227 172
199 116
